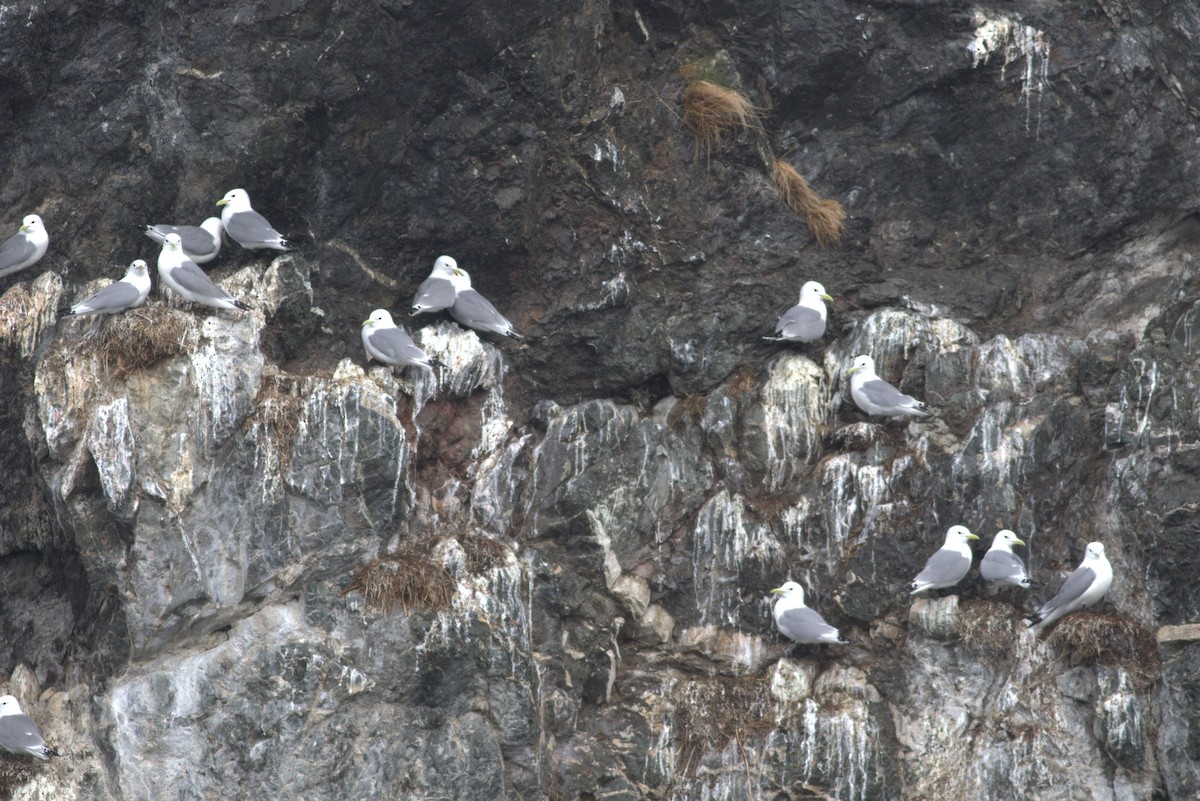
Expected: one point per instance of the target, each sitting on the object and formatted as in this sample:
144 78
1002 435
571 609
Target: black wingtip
65 311
436 362
242 305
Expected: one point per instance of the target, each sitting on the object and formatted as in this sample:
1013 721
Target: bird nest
137 340
1087 639
414 578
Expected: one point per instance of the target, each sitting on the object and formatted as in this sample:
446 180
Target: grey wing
192 279
800 322
1076 585
250 227
472 309
881 393
18 733
393 346
195 240
804 625
944 567
15 250
433 294
113 298
1001 566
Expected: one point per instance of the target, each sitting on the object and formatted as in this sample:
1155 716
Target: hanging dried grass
826 218
711 110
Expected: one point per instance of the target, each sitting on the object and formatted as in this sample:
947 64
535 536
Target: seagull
18 733
1083 587
388 343
473 310
799 623
437 291
201 243
805 321
948 564
25 247
128 293
1000 565
180 273
245 225
875 396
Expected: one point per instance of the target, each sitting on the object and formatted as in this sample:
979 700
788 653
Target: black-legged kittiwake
245 225
437 291
128 293
25 247
1082 588
18 733
389 343
875 396
805 321
948 564
1000 565
180 273
202 243
798 622
474 311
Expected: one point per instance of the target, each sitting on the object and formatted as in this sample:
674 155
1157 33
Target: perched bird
799 623
128 293
389 343
201 243
875 396
1082 588
25 247
437 291
1000 565
948 564
18 733
805 321
474 311
180 273
245 225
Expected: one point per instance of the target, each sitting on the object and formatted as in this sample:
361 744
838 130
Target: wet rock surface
237 560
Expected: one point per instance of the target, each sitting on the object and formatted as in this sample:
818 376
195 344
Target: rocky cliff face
237 561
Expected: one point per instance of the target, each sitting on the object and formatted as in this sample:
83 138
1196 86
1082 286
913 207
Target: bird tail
773 339
515 335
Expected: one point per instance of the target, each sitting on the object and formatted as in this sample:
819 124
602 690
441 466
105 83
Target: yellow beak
826 297
1018 542
222 202
777 591
971 536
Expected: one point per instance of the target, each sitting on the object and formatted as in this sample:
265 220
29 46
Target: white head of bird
1006 539
236 200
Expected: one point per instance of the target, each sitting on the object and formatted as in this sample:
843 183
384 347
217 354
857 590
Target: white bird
387 342
1000 565
18 733
437 291
473 310
798 622
127 293
25 247
245 225
1082 588
875 396
180 273
948 564
805 321
201 243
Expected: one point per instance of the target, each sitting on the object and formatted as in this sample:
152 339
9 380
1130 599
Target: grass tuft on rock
826 218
